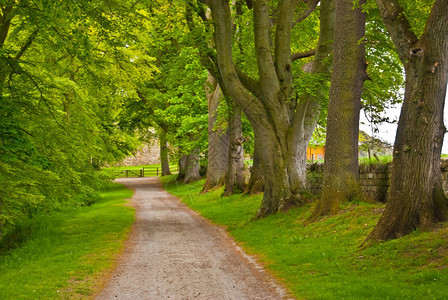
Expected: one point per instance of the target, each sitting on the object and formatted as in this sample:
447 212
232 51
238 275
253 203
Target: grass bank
323 260
64 254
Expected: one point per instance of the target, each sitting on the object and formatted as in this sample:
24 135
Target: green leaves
385 71
60 97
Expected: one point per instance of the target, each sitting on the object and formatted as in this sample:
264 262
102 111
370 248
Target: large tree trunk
182 168
341 171
283 175
192 165
234 180
268 103
416 199
164 153
218 139
256 183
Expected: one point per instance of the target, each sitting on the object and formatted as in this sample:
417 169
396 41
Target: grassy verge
323 260
381 159
65 253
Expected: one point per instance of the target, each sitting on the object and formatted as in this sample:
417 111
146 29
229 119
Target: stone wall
374 179
314 178
147 155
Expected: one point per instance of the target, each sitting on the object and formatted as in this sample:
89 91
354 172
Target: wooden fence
144 172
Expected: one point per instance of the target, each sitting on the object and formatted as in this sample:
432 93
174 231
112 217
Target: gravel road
173 253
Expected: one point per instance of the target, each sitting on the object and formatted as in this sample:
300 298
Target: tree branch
265 61
300 55
223 41
248 82
198 9
27 44
398 26
159 122
307 111
5 23
283 56
207 56
436 26
311 5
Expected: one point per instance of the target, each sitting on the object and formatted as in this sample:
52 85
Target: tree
255 184
416 199
57 125
232 172
340 176
165 165
282 125
218 138
172 98
234 181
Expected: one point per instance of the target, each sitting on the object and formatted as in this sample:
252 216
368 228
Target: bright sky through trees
387 131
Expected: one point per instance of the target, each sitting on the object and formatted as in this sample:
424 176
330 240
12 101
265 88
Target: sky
387 131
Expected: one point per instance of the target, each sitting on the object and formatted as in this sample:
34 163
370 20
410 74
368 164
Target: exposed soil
173 253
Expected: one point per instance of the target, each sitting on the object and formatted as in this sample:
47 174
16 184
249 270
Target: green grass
324 260
382 159
66 253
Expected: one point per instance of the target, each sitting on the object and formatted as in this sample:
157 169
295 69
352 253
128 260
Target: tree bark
341 171
234 180
5 24
416 199
182 167
256 183
192 165
164 153
268 103
218 139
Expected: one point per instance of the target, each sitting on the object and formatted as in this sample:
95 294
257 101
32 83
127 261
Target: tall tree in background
281 124
164 162
233 179
340 176
416 198
172 98
255 184
218 138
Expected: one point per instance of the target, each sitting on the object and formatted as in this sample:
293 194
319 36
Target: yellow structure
315 153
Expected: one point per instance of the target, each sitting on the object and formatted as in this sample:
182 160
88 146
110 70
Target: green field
324 260
63 255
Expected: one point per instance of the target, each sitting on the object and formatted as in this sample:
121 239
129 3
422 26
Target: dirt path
173 253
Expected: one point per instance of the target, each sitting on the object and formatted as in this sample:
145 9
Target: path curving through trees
173 253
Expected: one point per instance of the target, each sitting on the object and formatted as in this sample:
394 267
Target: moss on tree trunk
281 124
164 153
234 182
416 199
218 139
340 176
